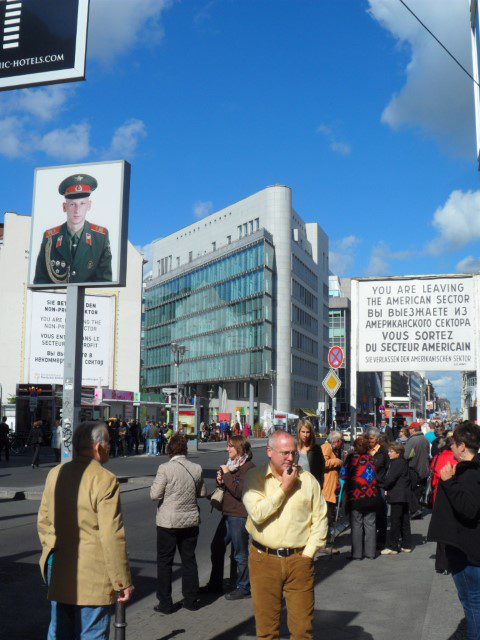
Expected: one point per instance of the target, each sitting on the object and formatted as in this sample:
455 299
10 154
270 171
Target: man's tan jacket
80 520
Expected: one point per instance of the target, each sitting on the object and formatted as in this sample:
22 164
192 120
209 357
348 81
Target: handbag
216 499
427 497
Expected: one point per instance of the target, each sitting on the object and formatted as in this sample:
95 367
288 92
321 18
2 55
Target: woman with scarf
231 528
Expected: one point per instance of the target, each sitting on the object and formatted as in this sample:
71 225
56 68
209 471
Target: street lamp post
178 352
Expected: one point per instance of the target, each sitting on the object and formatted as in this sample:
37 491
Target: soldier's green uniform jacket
92 261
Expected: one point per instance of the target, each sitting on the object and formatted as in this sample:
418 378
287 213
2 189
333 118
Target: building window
257 224
178 261
214 246
229 239
250 224
190 256
245 229
239 230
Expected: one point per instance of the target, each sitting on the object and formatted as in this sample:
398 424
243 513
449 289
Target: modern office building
245 291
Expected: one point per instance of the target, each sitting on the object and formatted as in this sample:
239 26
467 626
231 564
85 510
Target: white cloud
457 222
380 258
202 208
437 96
126 138
69 144
468 265
12 139
43 104
339 147
115 26
342 257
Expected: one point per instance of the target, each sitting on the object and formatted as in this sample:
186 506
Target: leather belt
282 552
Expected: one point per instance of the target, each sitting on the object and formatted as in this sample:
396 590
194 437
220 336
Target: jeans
467 582
399 526
167 542
231 529
151 446
73 622
364 533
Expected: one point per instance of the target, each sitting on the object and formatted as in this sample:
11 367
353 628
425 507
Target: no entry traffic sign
335 357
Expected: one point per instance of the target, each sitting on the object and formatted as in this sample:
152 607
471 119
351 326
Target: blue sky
349 102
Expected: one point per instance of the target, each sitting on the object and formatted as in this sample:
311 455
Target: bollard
120 624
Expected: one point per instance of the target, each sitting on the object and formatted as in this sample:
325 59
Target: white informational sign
416 324
45 338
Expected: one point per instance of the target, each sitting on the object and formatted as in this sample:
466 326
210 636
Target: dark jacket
360 482
4 432
233 482
456 514
381 462
397 481
316 462
417 452
35 436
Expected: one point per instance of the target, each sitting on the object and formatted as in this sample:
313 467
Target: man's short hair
373 432
469 435
276 435
4 419
177 446
88 434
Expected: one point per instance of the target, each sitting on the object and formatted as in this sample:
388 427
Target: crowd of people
275 517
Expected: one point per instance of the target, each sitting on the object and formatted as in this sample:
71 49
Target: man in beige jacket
80 526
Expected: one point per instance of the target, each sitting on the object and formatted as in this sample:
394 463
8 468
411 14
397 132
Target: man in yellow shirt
287 519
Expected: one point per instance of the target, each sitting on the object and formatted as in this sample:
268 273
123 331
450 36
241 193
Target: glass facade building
220 311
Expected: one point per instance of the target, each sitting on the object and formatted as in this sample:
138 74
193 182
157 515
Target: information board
45 339
417 324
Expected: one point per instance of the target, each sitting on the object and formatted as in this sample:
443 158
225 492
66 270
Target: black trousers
36 455
400 526
168 540
5 444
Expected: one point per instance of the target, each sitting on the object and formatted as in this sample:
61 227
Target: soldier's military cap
80 185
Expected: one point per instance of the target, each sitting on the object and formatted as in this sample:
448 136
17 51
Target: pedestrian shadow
334 625
172 634
22 590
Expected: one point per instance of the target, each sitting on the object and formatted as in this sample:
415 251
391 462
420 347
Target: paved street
389 598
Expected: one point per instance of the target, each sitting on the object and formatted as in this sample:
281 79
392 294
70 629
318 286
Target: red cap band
77 188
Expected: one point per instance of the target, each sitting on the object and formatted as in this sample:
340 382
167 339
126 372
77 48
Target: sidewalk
392 598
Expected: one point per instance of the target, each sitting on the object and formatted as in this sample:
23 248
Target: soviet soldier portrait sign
79 225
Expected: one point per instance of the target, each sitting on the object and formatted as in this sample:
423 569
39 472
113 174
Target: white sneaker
406 550
388 552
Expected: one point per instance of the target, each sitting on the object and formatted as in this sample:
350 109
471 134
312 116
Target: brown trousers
270 578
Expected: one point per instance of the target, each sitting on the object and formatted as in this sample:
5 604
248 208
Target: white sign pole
353 357
476 280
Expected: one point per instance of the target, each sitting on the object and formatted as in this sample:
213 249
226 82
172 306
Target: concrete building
15 328
245 290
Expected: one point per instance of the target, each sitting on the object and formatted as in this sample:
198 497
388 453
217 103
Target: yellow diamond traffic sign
331 383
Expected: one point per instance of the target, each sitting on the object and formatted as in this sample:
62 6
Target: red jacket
437 465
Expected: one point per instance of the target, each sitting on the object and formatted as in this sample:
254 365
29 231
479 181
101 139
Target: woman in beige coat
333 464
